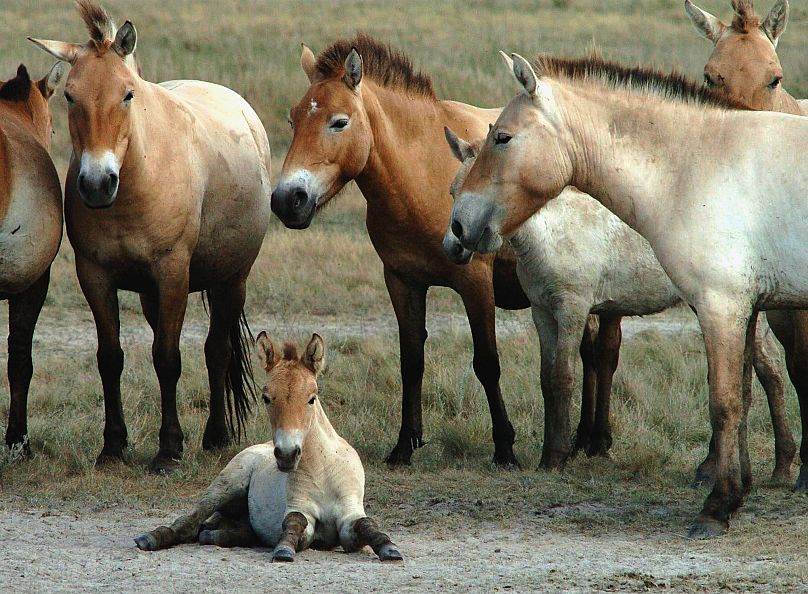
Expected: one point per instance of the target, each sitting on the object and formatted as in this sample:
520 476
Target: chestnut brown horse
744 65
369 116
30 225
167 193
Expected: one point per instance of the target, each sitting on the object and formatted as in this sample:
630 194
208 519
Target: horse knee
486 367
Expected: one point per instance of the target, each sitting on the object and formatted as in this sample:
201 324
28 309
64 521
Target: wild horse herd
600 191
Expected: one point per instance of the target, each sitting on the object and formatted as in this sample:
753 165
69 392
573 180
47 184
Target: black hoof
553 460
390 552
146 542
207 537
599 446
109 457
163 465
506 460
283 554
216 438
704 528
801 486
400 456
781 476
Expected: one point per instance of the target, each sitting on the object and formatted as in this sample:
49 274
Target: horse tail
240 390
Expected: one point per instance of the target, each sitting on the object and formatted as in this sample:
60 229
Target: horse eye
708 80
502 138
265 398
313 398
129 96
69 98
775 82
339 124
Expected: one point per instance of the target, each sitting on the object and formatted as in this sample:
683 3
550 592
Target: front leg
409 303
366 532
102 297
607 355
292 537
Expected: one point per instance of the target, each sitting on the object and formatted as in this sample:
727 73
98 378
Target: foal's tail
239 386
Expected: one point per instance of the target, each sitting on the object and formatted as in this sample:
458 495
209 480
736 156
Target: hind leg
590 385
364 532
226 305
227 532
607 355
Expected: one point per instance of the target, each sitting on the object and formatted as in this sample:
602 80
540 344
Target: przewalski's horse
744 64
725 219
576 258
303 489
369 117
30 225
167 193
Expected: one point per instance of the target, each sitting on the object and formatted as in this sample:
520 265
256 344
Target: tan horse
167 193
368 116
744 65
303 489
30 225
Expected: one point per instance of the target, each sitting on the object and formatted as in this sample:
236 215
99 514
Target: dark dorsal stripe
673 86
386 66
18 88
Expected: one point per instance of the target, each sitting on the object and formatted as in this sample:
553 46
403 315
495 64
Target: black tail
239 386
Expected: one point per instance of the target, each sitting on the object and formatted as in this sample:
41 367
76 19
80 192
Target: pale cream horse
719 193
303 489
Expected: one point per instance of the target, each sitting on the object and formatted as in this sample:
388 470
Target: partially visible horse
718 191
369 116
167 193
30 225
305 488
575 258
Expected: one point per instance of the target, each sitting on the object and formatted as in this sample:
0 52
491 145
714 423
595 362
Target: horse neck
21 115
319 437
785 103
146 127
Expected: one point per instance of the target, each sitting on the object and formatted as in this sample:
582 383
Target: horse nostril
278 452
300 199
82 183
297 451
112 182
457 229
458 249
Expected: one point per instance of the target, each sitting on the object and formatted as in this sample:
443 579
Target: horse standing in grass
369 117
575 258
744 65
725 212
167 193
303 489
30 225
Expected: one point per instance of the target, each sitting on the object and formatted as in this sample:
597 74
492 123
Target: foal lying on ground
304 489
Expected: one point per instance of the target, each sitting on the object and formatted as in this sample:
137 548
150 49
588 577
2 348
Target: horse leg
479 306
23 313
590 381
102 297
409 304
769 373
728 344
607 355
228 533
293 536
365 532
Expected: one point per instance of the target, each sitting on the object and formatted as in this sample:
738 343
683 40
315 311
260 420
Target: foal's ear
125 40
66 52
314 358
47 85
705 24
461 149
353 69
507 59
266 351
776 21
308 62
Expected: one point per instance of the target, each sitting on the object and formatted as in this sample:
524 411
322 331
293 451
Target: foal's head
29 99
101 94
744 62
290 394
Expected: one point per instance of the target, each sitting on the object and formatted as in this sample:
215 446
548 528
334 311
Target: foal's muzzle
287 459
471 224
294 206
454 250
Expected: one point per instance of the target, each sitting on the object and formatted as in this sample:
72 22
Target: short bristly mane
386 66
637 79
746 19
290 351
99 23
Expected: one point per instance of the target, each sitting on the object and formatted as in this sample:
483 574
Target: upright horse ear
125 40
266 351
507 59
308 62
66 52
461 149
48 84
705 24
775 23
353 69
314 358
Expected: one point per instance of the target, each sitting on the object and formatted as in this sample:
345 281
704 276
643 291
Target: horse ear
308 62
47 85
353 69
461 149
705 24
314 358
66 52
507 59
266 351
775 23
125 40
17 88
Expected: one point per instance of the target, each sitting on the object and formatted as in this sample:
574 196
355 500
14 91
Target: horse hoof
207 537
109 458
163 465
553 461
390 552
781 476
801 486
506 461
146 542
283 554
704 528
399 457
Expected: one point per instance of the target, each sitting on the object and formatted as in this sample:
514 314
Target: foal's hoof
207 537
283 554
163 465
705 527
801 486
146 542
390 552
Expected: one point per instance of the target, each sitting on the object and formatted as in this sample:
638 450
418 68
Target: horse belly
266 501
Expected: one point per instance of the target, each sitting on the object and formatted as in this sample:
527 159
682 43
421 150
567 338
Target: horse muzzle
287 459
473 226
454 250
98 180
294 206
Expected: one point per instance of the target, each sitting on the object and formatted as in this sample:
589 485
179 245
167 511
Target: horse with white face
576 258
712 210
305 488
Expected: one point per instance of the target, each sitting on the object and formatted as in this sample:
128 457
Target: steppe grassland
332 273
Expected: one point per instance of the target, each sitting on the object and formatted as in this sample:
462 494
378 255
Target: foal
303 489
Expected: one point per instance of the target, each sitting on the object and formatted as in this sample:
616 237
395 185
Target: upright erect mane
386 66
746 20
673 86
99 23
